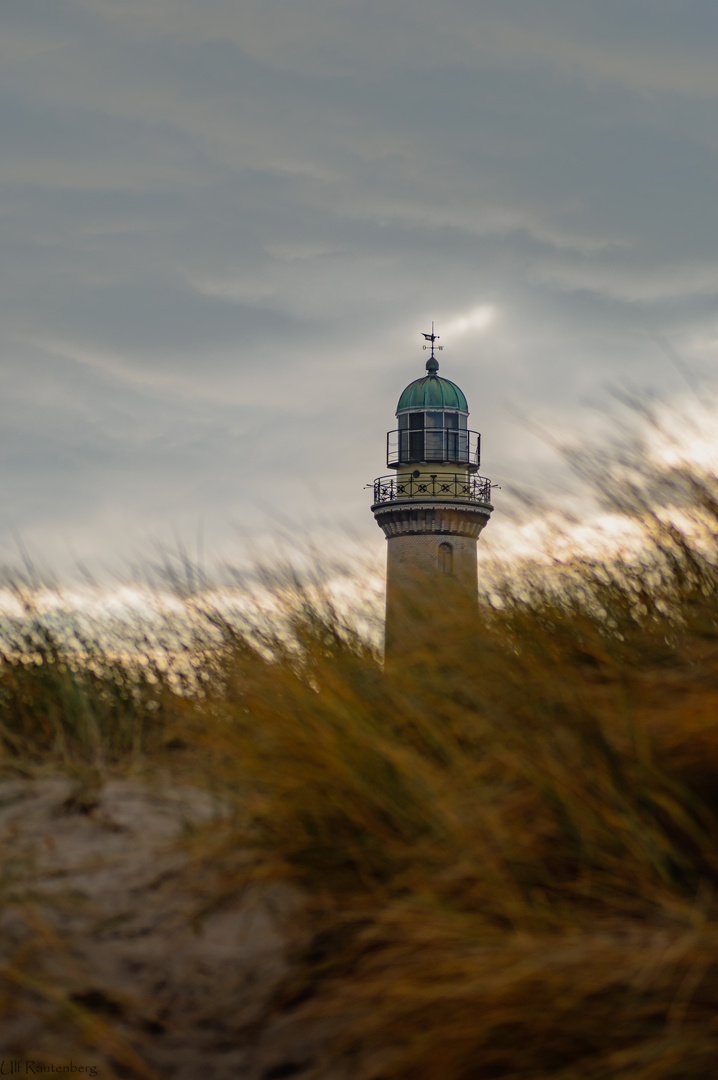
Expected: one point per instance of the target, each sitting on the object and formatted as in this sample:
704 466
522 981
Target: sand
116 953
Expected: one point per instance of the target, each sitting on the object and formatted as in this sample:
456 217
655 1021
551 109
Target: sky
224 226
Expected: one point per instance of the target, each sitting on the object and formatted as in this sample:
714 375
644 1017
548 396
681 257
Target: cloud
473 321
224 226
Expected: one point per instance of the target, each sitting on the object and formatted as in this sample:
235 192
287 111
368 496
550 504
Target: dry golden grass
509 839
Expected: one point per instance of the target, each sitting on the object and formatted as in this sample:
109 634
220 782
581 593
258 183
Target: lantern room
433 429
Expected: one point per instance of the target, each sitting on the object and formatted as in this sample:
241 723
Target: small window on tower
416 420
446 558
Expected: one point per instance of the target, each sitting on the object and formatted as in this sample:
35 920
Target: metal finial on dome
432 364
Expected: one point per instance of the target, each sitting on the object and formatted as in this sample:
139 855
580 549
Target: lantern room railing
424 485
405 447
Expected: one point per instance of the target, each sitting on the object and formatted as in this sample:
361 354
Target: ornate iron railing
432 486
433 444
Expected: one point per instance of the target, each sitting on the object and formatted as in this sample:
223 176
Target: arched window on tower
446 558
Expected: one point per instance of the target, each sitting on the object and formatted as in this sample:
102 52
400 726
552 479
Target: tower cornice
448 517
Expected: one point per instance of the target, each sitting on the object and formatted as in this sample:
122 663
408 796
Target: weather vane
432 337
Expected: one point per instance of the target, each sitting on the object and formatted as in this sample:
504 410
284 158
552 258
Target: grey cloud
224 225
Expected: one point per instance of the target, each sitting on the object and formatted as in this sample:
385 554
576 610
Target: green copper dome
432 392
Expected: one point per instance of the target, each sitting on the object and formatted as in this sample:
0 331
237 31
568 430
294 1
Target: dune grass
509 840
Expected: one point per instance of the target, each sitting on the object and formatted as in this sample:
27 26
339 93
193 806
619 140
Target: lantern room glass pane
416 445
434 419
434 445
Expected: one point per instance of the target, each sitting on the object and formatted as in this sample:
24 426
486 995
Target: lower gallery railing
432 486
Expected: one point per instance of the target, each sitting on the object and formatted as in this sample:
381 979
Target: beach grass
508 839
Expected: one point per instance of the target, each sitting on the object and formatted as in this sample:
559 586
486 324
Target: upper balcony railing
406 447
422 485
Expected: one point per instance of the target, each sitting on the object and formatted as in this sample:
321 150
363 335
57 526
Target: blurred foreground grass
509 840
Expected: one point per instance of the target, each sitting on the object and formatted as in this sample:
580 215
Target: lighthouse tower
432 508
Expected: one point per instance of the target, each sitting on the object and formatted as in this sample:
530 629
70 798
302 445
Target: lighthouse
431 508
